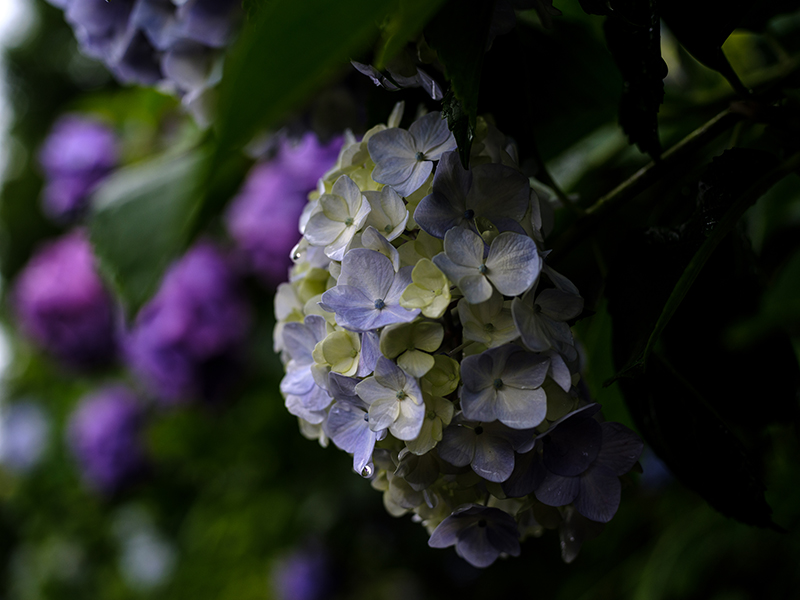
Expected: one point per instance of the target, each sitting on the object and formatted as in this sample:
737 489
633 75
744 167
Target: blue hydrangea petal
464 247
513 263
370 352
527 475
389 374
432 135
474 546
524 370
370 271
476 288
343 388
572 446
458 445
600 494
348 427
499 192
436 215
479 405
521 409
494 458
621 448
383 412
559 305
295 406
503 532
558 491
455 272
298 381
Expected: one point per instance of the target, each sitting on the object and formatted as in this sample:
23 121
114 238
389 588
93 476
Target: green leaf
732 184
696 445
284 54
702 28
634 40
459 34
403 27
140 222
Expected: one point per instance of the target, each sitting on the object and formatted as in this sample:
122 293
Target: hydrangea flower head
77 155
104 434
185 343
262 219
404 158
442 357
62 305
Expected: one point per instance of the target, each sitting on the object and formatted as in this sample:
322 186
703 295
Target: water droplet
296 255
367 471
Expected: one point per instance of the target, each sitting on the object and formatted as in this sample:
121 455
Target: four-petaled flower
394 399
479 533
342 213
404 159
512 264
367 295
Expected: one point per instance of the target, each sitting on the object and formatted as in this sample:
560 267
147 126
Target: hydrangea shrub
423 332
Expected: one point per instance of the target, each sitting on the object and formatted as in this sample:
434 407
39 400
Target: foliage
686 254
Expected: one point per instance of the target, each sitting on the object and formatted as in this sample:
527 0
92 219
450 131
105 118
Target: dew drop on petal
366 472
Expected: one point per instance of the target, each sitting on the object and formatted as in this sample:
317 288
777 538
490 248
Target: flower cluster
423 332
77 155
177 43
105 436
62 305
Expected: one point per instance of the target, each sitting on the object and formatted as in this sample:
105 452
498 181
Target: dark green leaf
634 40
459 34
141 219
404 26
696 445
733 182
286 52
702 28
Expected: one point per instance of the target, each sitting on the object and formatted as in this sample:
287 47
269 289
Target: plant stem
641 180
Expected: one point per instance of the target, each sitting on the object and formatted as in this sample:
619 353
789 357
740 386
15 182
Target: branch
641 180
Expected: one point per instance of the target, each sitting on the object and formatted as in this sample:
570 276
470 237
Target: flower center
348 222
419 156
483 269
488 327
401 395
380 304
478 430
497 383
537 308
482 523
469 213
388 229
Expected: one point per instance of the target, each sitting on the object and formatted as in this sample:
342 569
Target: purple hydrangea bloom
505 384
186 342
348 422
78 154
583 460
263 217
486 447
141 41
479 533
367 294
304 397
104 434
62 305
495 192
305 574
